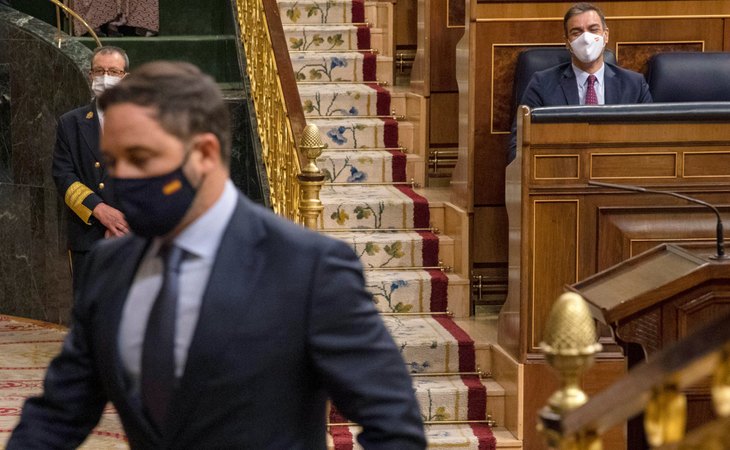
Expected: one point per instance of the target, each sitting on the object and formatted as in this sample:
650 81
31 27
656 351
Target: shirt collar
582 77
202 237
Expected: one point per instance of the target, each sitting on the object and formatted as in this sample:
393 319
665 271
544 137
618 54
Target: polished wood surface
497 31
561 230
660 297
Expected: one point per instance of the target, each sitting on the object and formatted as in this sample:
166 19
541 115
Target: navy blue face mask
154 206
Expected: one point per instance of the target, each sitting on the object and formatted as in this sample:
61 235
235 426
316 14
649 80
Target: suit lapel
611 89
89 128
237 264
569 86
110 316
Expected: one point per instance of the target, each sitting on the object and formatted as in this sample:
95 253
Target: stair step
394 249
317 12
428 345
451 398
367 206
337 100
357 132
329 38
363 166
408 291
335 66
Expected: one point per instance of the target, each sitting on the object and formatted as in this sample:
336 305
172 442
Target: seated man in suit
587 79
215 324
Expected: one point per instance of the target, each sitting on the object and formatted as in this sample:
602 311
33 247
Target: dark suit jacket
556 86
78 170
285 322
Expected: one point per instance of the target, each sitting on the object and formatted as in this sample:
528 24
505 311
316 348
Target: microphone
720 239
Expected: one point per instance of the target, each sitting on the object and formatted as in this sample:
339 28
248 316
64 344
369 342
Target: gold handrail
278 113
73 13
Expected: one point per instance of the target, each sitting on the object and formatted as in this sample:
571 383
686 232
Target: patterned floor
26 348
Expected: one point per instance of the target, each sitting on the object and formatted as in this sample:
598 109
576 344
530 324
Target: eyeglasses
98 71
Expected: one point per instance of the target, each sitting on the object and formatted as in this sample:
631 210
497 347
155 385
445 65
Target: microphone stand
720 239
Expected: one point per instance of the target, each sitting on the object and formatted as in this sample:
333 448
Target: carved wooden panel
637 165
556 167
706 164
555 245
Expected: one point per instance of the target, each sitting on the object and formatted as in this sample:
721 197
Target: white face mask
588 47
102 83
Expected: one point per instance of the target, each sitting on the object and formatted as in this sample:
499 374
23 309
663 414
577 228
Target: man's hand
112 219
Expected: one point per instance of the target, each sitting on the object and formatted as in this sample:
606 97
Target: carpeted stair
369 204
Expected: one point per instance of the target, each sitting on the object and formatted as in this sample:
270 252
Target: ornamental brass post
311 179
569 346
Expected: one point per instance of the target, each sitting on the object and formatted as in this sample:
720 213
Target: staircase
342 56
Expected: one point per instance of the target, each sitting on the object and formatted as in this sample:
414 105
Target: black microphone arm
720 239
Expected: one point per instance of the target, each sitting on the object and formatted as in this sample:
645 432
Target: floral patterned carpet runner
26 348
368 205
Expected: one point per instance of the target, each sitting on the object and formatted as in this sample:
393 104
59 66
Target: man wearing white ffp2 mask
79 169
586 79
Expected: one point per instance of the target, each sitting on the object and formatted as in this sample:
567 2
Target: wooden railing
288 152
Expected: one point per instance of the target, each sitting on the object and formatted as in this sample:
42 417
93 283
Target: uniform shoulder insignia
90 115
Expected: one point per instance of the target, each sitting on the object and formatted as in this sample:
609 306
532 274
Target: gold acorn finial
311 145
569 345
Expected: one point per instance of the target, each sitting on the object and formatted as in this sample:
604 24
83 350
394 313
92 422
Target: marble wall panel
5 143
45 81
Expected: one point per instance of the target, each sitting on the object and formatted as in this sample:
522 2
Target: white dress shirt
200 240
582 79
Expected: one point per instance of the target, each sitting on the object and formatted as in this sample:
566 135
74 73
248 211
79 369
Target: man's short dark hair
187 101
108 50
580 8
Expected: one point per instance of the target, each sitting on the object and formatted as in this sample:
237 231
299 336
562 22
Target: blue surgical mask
154 206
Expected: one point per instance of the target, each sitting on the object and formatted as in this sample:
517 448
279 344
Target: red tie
591 97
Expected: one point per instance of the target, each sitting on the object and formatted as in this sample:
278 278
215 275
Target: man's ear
209 149
605 36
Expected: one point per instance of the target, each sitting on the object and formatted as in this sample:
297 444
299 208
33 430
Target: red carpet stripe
369 64
467 358
487 441
421 213
477 398
382 105
439 290
363 37
430 248
358 11
342 438
398 165
390 132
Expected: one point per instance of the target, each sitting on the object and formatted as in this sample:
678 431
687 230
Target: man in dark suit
587 79
78 167
267 320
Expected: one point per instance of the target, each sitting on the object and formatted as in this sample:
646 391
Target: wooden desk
562 230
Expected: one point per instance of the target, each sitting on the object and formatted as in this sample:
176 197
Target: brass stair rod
389 116
425 422
376 230
435 313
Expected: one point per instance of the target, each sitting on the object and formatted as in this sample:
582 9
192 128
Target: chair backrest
689 77
540 58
